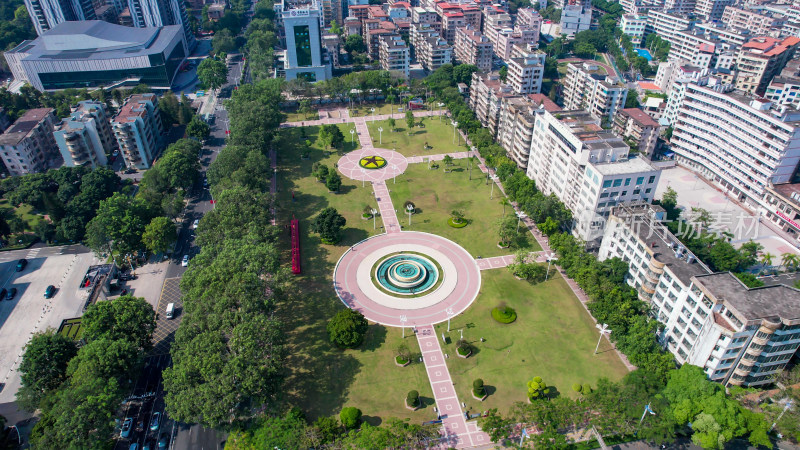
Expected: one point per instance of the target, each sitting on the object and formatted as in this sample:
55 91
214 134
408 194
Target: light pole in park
440 107
455 124
409 211
450 314
403 320
363 176
380 134
603 330
550 258
352 134
374 213
494 181
394 171
520 215
373 114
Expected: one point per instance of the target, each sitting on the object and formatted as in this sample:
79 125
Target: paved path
457 432
349 165
438 157
390 222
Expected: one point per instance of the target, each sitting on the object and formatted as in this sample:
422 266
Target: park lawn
553 337
438 133
25 212
322 379
364 109
435 194
297 117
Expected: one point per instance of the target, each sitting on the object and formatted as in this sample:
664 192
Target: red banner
295 227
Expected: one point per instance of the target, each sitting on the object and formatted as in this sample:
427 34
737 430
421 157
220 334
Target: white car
185 261
195 223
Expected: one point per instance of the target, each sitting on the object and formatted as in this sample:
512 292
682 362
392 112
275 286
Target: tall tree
159 234
44 367
213 73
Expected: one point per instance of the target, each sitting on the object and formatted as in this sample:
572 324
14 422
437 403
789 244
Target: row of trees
124 224
228 354
78 391
261 40
685 402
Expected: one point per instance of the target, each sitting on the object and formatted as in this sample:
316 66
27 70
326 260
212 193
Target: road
141 410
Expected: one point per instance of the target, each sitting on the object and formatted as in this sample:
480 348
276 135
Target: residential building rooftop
23 126
774 303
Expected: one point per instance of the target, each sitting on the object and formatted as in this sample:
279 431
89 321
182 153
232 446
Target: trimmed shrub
347 328
478 388
400 359
412 399
504 314
350 417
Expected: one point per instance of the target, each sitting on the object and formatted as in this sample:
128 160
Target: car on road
134 446
50 291
163 441
185 261
21 264
195 224
127 425
116 152
155 421
11 293
3 293
205 182
130 170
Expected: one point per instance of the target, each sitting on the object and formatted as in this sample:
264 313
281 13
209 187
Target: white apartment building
526 69
492 26
85 138
680 7
517 119
638 128
420 14
394 54
587 168
641 7
486 94
747 19
711 10
667 25
575 18
433 52
739 143
528 18
27 146
739 336
508 38
138 128
472 47
588 87
633 26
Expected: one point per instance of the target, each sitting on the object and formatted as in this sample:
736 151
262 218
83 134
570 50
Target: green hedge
504 315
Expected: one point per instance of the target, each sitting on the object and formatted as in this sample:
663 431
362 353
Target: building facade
46 14
138 129
303 54
760 60
472 47
526 69
588 87
160 13
633 26
739 143
638 128
85 138
28 145
394 54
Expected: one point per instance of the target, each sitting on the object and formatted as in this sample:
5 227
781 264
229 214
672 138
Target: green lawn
380 108
25 212
435 194
553 337
438 133
297 117
322 378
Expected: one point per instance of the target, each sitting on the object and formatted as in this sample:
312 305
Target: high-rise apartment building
588 86
739 143
85 137
517 119
492 26
28 145
633 26
680 7
667 25
46 14
394 54
575 18
526 69
759 23
159 13
711 10
138 129
587 168
485 98
738 335
303 56
760 60
472 47
433 52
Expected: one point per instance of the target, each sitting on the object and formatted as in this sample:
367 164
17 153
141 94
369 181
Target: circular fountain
406 274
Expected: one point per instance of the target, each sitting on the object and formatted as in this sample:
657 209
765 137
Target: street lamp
352 134
380 134
440 115
363 176
520 215
550 258
409 210
394 171
494 181
373 114
450 314
374 213
455 124
603 330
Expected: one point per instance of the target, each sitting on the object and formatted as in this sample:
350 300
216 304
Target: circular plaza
372 164
407 279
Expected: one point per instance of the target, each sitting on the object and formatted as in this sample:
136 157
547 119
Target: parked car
130 170
21 264
163 441
127 425
11 293
134 446
195 224
3 293
185 261
50 291
155 421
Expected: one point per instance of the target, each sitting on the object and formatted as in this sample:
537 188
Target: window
651 180
618 182
607 183
627 181
647 191
640 180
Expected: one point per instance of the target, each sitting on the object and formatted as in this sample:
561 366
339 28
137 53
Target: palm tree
766 260
790 260
505 202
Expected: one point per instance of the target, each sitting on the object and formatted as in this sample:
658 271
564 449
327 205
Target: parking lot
29 312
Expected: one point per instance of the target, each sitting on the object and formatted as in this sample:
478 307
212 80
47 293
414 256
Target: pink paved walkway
390 223
437 157
497 262
349 166
455 429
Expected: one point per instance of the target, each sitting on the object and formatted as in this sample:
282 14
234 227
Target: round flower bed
455 224
504 315
401 361
372 162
